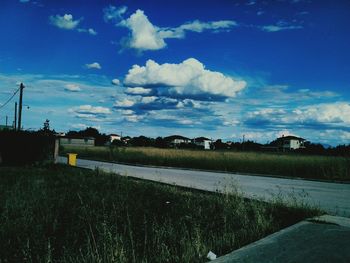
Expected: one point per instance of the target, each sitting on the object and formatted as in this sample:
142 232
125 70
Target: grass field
290 165
64 214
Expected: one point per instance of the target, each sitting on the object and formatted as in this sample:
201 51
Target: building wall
291 144
178 141
112 138
294 144
77 142
207 145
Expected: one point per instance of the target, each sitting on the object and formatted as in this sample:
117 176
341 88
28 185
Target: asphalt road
334 198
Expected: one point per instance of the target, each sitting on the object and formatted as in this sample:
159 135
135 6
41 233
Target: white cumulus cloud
88 109
116 82
319 116
329 113
133 118
124 103
67 22
91 31
94 65
64 22
138 91
188 79
144 35
147 36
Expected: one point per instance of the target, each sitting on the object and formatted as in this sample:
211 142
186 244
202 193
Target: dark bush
23 147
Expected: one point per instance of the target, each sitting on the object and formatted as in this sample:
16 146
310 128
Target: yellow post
72 159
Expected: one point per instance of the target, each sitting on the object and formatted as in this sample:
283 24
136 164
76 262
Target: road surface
334 198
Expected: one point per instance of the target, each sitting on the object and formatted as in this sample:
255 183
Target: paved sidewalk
322 239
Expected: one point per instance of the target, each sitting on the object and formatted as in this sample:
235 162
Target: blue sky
221 69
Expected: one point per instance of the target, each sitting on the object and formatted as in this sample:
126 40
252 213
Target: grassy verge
289 165
62 214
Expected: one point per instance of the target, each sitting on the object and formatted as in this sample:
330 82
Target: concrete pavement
322 239
334 198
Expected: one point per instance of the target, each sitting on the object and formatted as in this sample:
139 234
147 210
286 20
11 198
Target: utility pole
21 87
6 120
243 142
15 122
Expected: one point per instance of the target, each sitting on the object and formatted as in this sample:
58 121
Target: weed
290 165
64 214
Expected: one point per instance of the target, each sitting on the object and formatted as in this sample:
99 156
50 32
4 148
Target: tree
46 128
46 125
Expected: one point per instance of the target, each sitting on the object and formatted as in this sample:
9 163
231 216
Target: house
203 142
5 127
60 134
177 139
77 141
113 137
126 139
290 142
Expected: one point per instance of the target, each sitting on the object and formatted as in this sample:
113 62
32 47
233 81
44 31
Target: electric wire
14 94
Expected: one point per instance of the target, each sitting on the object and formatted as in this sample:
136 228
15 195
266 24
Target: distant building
77 141
177 139
126 139
113 137
60 134
4 127
203 142
290 142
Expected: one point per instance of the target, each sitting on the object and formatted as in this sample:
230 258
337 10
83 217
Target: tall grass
290 165
61 214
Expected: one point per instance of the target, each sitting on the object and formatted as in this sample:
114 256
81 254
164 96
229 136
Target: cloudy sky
221 69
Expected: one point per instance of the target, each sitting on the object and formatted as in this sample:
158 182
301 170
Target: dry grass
289 165
62 214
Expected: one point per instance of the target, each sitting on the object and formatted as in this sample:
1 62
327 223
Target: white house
177 139
290 142
113 137
203 142
60 134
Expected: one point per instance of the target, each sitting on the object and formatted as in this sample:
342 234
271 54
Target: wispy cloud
147 36
90 31
72 87
280 26
47 97
276 28
113 13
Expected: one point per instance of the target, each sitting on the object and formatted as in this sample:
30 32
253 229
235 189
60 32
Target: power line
14 94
